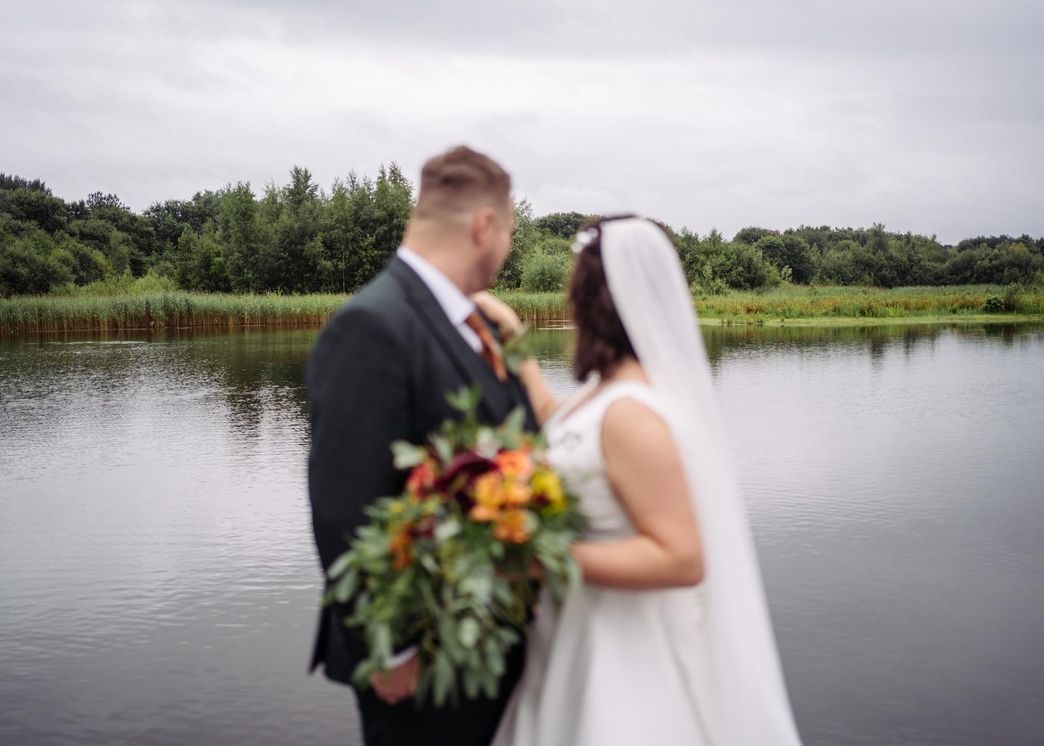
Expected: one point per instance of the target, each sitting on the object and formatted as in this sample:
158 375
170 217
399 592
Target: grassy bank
791 305
921 303
802 304
168 310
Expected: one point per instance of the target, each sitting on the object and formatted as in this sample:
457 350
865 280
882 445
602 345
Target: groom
380 372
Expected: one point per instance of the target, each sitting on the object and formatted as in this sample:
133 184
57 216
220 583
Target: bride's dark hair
601 340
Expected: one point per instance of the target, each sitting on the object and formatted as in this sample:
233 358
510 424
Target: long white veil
649 289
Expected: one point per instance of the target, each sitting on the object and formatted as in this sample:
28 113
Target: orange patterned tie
491 351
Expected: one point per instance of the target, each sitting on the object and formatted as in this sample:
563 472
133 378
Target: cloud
924 115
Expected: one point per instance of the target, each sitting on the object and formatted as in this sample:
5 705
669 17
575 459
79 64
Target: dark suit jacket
380 372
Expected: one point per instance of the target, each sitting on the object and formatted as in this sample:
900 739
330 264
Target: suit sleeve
359 398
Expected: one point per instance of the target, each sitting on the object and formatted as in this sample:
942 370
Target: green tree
563 224
29 265
200 264
788 252
240 233
746 268
524 237
35 206
752 234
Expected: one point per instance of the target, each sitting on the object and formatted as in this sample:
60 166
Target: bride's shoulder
633 406
635 434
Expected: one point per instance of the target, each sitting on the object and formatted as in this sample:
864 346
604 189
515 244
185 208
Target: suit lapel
471 367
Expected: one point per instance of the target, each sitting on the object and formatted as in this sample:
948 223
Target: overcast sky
926 115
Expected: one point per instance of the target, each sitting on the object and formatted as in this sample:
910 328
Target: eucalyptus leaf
444 448
515 422
444 679
340 565
468 632
407 455
471 684
447 530
382 642
346 586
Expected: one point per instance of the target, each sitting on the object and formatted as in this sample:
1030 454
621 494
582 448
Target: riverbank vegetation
152 303
297 238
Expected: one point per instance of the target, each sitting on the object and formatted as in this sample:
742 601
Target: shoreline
795 306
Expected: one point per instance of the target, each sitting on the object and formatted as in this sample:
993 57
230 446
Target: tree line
299 238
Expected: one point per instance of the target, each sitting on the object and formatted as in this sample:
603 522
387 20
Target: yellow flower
548 486
517 494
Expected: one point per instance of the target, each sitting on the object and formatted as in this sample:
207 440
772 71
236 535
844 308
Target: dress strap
637 390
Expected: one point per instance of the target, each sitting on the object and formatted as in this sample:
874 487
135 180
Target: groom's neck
447 254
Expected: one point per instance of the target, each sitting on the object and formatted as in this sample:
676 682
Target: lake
158 582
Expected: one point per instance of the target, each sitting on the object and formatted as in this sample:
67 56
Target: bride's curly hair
601 340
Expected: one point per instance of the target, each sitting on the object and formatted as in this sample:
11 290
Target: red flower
421 480
465 468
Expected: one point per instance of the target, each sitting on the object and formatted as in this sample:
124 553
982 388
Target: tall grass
162 311
108 307
537 308
798 302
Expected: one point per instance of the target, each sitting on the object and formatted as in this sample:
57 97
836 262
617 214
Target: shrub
993 304
543 273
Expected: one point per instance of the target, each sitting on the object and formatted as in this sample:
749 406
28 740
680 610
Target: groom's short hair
460 180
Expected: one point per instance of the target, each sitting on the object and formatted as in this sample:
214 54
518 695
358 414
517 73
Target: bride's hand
500 313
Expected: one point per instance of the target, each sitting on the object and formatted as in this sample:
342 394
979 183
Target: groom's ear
483 225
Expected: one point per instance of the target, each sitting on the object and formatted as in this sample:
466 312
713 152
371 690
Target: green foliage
446 565
545 273
523 243
120 303
752 235
200 262
294 238
564 225
34 206
788 252
31 265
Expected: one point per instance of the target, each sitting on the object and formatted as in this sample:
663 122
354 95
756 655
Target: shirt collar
453 302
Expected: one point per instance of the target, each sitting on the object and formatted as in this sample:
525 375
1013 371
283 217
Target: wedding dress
609 666
693 666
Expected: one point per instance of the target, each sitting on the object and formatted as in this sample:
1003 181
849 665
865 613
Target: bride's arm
644 470
541 397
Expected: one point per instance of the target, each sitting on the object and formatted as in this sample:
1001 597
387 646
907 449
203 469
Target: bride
668 639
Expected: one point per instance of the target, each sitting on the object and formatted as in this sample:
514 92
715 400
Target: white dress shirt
454 303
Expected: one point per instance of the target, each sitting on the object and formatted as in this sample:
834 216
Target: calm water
158 582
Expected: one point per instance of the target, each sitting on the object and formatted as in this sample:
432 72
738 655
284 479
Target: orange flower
400 548
515 464
483 514
517 494
512 527
489 490
421 480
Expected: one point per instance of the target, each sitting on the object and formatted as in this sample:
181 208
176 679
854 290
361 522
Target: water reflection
158 579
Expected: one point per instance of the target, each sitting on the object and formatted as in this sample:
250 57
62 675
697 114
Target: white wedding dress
610 666
693 667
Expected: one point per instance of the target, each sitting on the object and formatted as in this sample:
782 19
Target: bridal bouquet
447 565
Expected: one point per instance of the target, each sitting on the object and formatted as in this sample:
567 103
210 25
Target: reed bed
537 308
171 310
179 310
